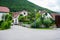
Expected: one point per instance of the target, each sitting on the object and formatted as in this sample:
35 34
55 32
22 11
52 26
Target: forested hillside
18 5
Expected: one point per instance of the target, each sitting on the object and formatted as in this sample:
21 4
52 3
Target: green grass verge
43 28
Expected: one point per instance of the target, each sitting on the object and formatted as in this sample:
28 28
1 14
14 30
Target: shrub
21 18
38 15
53 22
24 19
5 25
36 24
7 17
47 22
1 21
11 13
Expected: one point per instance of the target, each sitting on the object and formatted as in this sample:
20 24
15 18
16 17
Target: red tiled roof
4 9
54 14
15 14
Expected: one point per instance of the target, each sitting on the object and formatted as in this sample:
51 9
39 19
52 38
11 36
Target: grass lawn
43 28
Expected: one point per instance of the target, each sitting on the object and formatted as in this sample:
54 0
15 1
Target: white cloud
50 4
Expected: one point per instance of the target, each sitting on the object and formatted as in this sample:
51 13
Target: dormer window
24 13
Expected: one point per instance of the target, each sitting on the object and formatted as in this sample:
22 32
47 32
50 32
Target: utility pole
35 17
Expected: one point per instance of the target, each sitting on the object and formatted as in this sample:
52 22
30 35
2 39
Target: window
24 13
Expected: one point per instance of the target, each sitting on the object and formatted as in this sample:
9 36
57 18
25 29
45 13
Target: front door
15 21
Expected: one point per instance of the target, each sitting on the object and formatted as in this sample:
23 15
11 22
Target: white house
24 13
46 16
16 15
3 11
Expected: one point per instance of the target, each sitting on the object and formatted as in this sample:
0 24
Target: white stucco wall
26 13
15 20
46 16
1 14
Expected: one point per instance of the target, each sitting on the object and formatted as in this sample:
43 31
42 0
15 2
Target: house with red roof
3 11
17 14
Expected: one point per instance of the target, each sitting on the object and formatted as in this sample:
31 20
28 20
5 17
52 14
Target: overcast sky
50 4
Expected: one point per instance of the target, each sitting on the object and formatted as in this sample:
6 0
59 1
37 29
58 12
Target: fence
57 20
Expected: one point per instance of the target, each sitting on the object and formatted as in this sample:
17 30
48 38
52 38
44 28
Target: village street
21 33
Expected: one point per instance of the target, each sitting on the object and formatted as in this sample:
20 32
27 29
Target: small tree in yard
47 22
37 23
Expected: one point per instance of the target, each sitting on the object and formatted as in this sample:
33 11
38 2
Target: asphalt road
22 33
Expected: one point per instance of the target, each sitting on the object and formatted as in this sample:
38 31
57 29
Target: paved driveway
22 33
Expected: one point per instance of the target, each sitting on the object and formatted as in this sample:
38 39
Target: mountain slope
18 5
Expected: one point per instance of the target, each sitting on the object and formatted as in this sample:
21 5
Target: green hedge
47 22
36 24
1 21
5 25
